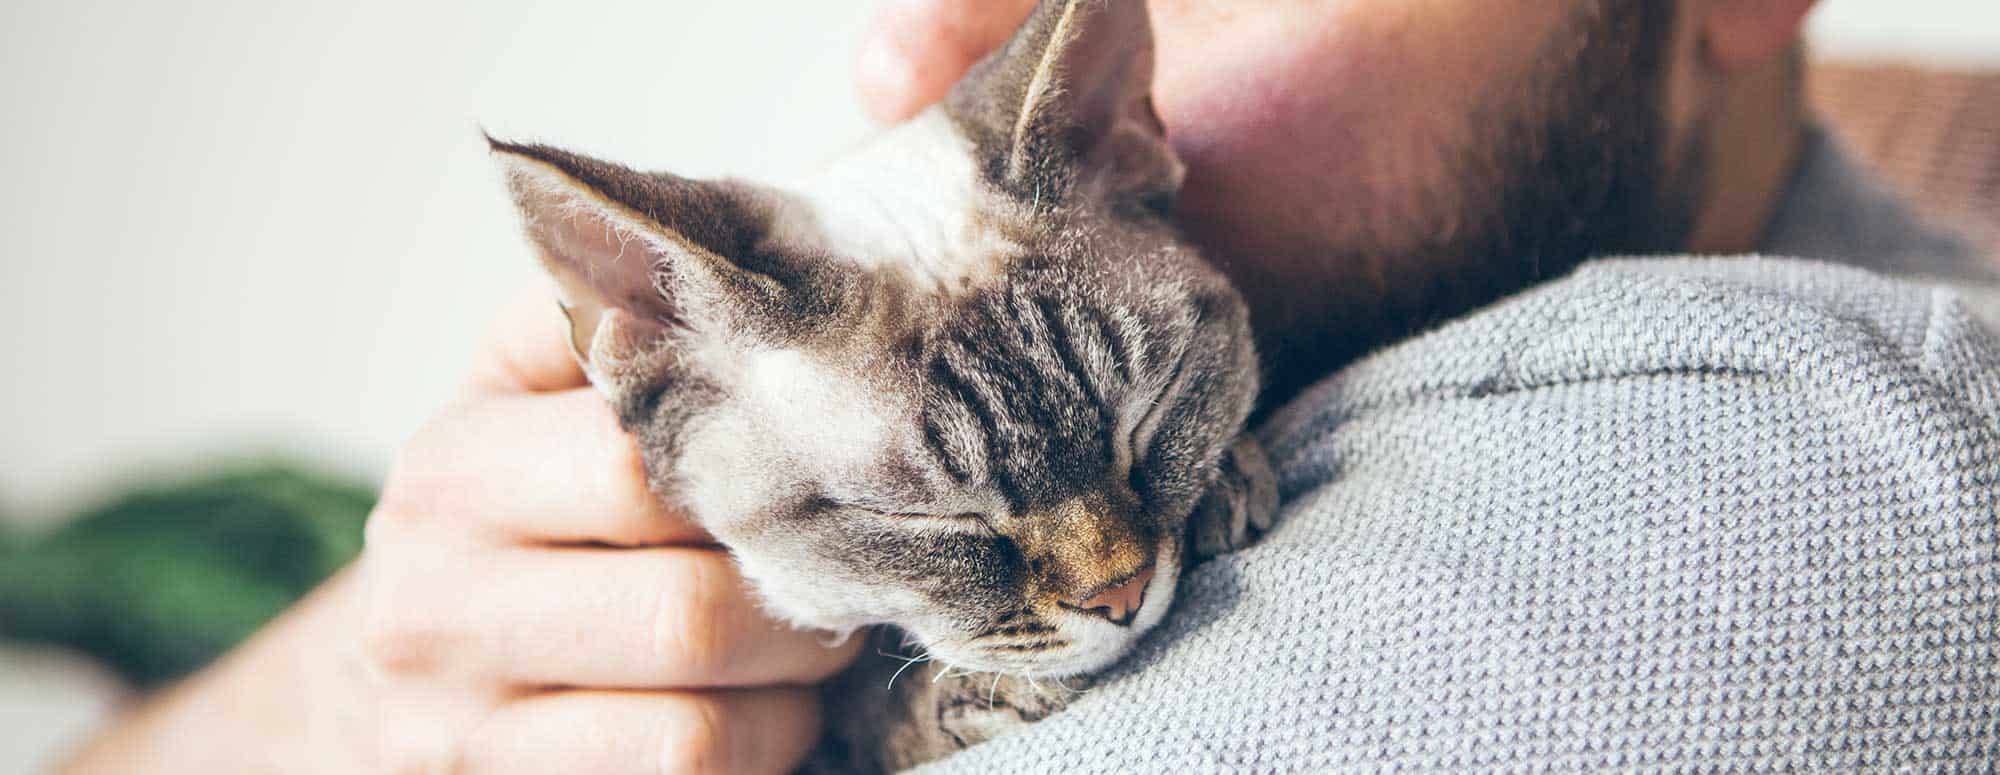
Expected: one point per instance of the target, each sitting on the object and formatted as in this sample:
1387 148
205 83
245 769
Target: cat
969 385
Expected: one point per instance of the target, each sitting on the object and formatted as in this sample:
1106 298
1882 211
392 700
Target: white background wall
1959 32
272 225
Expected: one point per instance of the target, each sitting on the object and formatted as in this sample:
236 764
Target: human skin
1326 141
524 605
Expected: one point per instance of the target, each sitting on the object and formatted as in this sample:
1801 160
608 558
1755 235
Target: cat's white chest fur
909 201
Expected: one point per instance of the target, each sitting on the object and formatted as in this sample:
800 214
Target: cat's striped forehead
1030 390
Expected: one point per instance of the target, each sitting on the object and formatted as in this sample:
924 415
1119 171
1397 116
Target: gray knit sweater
1667 513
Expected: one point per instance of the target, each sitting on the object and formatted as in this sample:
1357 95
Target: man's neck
1752 149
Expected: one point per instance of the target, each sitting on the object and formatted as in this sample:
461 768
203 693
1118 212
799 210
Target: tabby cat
968 384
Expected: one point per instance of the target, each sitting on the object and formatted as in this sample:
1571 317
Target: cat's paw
1239 507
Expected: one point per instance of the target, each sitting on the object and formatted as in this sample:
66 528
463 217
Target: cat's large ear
1066 106
642 256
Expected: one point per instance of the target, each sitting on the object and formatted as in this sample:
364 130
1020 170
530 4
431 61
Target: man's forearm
250 712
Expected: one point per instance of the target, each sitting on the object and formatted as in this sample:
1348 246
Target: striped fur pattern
958 389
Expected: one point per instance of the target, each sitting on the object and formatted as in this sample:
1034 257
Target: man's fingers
613 733
915 50
668 618
526 350
551 467
597 618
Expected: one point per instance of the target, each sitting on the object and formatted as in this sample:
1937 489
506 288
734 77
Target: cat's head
968 382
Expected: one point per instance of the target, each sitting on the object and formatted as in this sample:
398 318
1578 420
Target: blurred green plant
158 581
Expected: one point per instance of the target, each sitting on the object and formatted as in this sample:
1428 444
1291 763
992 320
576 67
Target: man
1657 513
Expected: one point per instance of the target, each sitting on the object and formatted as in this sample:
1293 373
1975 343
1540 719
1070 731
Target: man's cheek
1392 60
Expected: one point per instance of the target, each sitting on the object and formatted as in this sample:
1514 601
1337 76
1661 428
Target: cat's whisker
924 656
907 662
920 655
992 690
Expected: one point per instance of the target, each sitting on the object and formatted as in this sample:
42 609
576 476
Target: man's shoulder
1653 362
1798 325
1577 528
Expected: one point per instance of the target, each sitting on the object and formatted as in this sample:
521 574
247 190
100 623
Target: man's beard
1576 168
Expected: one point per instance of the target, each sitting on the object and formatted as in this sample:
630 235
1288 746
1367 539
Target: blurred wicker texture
1933 133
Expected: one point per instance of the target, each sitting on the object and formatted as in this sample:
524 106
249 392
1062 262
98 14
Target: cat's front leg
1239 506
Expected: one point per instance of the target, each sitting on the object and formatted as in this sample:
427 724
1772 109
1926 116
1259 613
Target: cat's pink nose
1120 601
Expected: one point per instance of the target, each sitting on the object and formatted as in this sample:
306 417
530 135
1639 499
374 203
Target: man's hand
523 605
915 50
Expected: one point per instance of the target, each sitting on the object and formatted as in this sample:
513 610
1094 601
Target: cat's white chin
1096 644
1092 643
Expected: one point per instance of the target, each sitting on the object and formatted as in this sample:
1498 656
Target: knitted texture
1662 514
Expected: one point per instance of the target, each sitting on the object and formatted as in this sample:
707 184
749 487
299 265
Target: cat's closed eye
965 522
